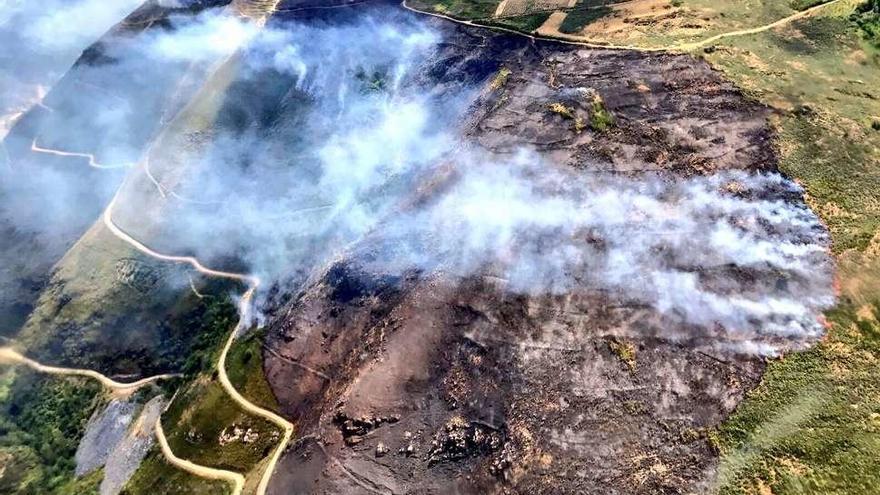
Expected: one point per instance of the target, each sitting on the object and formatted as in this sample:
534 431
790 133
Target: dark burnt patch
349 283
504 392
354 429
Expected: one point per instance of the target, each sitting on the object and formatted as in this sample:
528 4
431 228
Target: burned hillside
435 379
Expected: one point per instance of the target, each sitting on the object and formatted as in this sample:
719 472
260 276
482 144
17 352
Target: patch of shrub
867 18
500 79
600 118
44 418
562 110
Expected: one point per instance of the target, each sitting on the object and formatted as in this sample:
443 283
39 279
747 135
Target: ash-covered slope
441 385
428 366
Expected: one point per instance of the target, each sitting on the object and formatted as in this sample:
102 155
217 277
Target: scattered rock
358 427
408 451
381 449
460 439
353 440
236 433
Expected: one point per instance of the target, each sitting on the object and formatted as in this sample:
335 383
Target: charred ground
431 381
435 383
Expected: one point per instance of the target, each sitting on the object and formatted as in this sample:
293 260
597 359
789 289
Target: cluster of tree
210 325
45 417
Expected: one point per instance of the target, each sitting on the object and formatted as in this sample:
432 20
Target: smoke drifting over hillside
109 107
41 40
332 136
729 250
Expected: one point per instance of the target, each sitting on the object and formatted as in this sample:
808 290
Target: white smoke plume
731 249
354 132
734 251
109 110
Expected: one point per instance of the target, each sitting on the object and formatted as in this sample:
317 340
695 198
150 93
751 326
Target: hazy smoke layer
41 40
343 147
730 250
65 157
337 134
356 135
106 109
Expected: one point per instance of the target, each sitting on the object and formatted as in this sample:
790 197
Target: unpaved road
244 310
235 479
552 32
11 356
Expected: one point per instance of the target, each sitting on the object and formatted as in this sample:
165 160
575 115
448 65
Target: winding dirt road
244 308
258 12
286 426
679 47
756 30
10 356
93 162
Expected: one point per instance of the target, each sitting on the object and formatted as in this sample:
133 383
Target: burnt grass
434 383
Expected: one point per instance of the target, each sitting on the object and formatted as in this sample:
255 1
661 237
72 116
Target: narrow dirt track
286 426
93 162
13 357
9 355
534 37
257 11
235 479
679 47
244 309
759 29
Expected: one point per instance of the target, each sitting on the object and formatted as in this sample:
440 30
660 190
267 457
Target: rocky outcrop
117 439
131 450
105 431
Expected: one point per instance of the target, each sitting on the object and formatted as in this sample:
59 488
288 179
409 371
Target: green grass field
813 425
205 426
156 476
244 365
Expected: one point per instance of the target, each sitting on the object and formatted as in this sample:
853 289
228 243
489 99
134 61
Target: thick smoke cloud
706 251
355 148
341 154
96 117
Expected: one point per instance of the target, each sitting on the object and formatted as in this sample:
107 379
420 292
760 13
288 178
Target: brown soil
434 383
